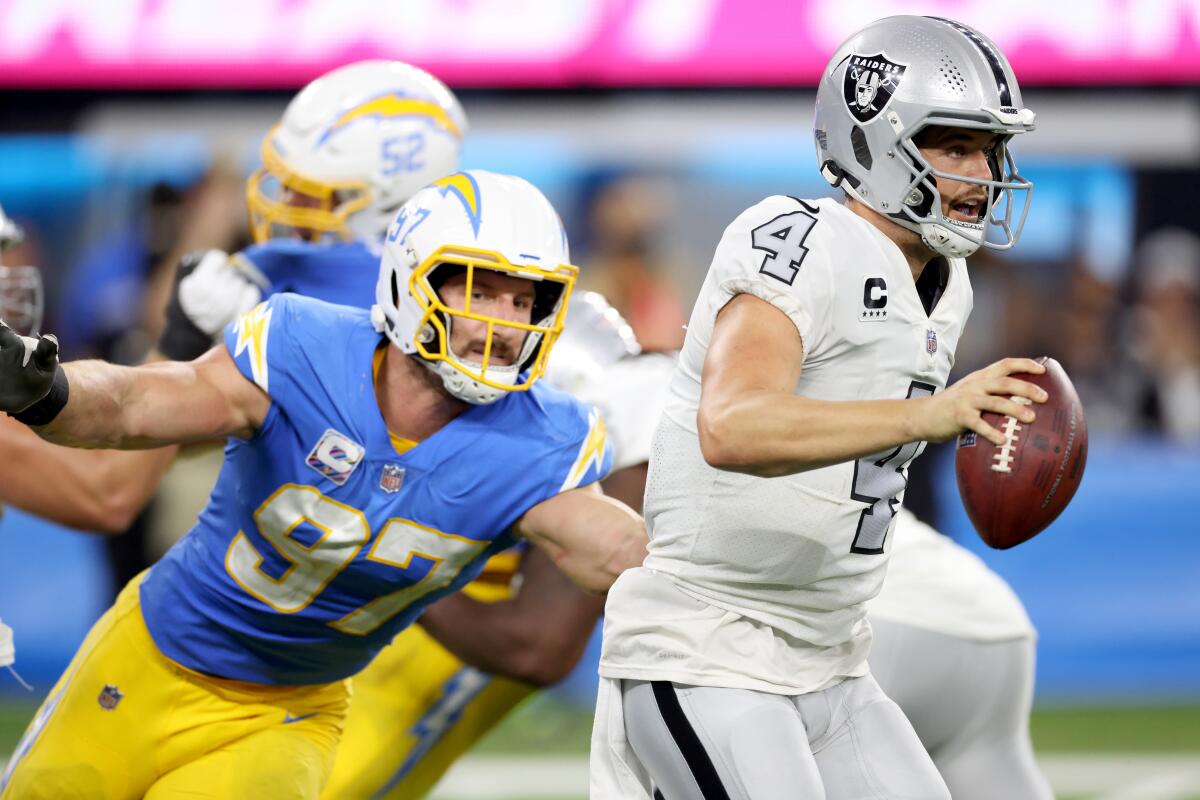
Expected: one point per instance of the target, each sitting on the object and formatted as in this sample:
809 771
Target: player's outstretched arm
100 491
750 420
592 538
100 405
536 637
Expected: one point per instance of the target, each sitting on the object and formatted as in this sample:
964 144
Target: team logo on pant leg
869 85
109 697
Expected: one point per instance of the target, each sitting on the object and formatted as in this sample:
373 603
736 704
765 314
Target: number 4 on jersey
878 481
783 239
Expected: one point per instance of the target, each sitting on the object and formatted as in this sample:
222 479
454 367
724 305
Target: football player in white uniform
943 625
734 661
953 647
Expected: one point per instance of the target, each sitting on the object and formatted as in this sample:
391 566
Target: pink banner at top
553 43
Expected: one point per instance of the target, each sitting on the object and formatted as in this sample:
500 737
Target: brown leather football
1013 492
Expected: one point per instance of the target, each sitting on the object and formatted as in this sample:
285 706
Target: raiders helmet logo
869 85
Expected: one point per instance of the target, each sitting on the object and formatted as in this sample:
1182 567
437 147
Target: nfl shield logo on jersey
392 478
335 456
869 84
109 697
931 342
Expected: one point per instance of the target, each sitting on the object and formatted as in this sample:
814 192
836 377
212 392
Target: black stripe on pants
688 742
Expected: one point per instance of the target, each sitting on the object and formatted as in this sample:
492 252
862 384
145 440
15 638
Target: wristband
45 410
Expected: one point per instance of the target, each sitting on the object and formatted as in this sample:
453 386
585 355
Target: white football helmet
473 220
882 87
21 296
351 148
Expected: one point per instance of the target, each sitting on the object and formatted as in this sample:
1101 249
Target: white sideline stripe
1111 776
1124 776
494 777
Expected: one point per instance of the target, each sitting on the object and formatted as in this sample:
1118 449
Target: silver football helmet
21 296
896 77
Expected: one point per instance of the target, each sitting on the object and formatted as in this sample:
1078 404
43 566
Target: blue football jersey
321 541
343 272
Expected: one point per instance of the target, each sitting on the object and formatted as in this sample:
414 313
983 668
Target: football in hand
1012 492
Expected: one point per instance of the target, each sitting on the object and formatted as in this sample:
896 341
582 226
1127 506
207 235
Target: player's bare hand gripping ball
961 407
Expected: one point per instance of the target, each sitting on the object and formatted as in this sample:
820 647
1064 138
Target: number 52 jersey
322 538
760 583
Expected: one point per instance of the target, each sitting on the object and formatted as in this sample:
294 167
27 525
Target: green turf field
544 726
1088 753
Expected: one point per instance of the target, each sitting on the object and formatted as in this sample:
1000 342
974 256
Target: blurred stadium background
127 128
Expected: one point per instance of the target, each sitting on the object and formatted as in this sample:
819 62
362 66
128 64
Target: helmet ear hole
920 199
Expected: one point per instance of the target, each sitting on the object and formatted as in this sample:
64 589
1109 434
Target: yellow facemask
437 315
267 199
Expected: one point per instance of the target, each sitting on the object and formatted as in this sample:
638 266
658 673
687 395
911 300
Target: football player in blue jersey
375 461
335 257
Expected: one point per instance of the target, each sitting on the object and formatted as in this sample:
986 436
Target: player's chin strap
8 654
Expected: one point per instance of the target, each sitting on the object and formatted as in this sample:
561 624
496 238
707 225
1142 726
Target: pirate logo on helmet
869 84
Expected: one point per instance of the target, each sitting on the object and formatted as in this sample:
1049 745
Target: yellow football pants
415 710
126 722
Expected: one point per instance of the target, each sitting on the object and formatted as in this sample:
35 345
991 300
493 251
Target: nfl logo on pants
109 697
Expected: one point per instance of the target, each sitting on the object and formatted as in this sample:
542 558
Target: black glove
33 385
181 339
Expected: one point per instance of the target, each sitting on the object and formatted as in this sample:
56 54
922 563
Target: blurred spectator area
646 182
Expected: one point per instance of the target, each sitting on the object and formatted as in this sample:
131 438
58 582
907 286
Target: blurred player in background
953 647
734 661
21 298
111 308
21 305
222 672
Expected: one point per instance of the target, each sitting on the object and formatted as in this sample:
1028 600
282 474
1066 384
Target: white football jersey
938 585
761 583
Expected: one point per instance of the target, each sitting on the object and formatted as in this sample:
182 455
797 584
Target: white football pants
969 703
848 742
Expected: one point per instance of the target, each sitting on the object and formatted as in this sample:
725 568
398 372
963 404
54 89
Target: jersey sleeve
776 252
260 343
